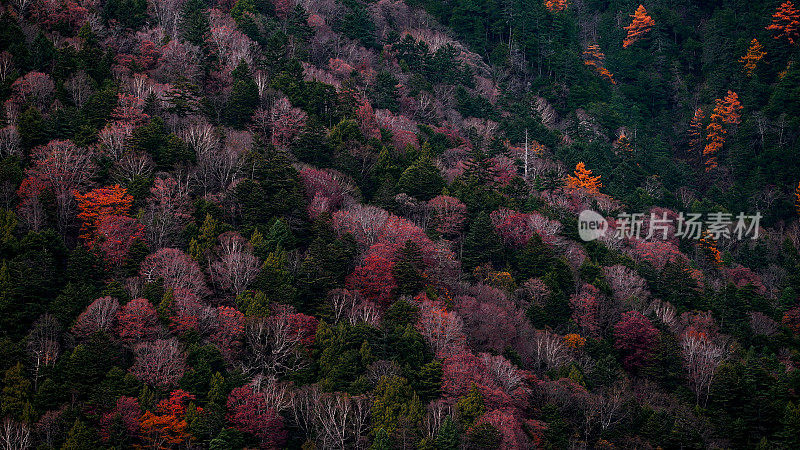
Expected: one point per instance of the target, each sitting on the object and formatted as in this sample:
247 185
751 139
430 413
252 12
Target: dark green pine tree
408 272
448 436
16 392
33 129
244 97
194 22
385 95
427 382
80 437
128 13
481 244
790 434
182 97
422 180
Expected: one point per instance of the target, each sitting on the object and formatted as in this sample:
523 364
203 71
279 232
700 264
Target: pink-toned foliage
176 268
287 122
100 315
159 363
448 215
236 266
35 88
586 309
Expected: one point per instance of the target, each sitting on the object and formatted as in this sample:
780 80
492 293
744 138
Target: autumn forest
399 224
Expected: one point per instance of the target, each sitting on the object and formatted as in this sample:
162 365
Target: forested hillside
355 224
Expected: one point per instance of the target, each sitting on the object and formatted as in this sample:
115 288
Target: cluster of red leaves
741 276
167 427
60 14
229 332
658 253
250 412
585 309
137 320
287 122
326 190
791 319
516 431
635 336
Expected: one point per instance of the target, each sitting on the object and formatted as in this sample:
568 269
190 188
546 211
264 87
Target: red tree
635 336
98 204
586 309
230 330
128 412
130 109
189 313
249 411
374 278
115 235
791 319
287 122
511 226
166 427
137 320
515 430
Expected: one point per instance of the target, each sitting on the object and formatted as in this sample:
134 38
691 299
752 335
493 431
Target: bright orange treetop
797 198
583 179
754 54
555 5
99 204
726 111
594 57
641 25
623 144
696 130
786 22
